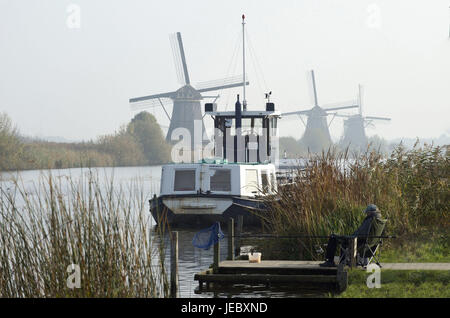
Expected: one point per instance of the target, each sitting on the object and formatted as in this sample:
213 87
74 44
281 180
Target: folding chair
368 245
367 251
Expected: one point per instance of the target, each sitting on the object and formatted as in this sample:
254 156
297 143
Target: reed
99 226
411 188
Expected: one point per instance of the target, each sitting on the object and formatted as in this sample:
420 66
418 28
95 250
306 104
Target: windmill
355 126
186 100
317 134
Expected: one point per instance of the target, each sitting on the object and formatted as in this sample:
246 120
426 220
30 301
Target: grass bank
395 284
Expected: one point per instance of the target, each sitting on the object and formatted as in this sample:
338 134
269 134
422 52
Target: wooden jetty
269 273
299 274
237 273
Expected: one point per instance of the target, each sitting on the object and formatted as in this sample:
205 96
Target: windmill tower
186 100
355 126
317 134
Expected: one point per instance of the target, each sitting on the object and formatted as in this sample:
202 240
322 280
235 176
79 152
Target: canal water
191 259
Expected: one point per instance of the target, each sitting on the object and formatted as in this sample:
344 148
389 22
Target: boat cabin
218 178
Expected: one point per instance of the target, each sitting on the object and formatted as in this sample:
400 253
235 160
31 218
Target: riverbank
398 284
140 142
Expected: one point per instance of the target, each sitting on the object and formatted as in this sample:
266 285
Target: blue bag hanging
208 237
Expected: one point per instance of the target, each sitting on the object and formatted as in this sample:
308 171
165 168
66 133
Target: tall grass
411 188
103 228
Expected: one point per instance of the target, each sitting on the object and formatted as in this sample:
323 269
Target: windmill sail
340 108
152 97
317 135
150 103
179 58
186 109
377 118
354 126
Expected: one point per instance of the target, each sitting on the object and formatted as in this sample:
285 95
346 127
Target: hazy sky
60 76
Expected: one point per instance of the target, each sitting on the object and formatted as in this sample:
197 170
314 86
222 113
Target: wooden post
174 265
240 223
342 278
231 239
216 259
352 249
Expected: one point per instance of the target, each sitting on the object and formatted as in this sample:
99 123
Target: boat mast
244 100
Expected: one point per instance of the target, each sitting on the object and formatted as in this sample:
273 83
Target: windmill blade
377 118
341 115
179 58
155 96
150 103
300 112
351 104
221 82
316 102
360 98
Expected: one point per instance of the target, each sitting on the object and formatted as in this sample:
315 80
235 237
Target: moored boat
235 181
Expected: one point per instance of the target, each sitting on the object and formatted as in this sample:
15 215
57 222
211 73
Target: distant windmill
186 100
317 134
354 126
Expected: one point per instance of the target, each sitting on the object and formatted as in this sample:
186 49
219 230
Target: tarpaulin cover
207 237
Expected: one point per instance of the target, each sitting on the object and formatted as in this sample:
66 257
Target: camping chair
368 244
367 251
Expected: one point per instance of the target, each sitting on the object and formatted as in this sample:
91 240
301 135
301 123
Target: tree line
140 142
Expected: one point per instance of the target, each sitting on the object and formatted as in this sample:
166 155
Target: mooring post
216 259
231 239
237 242
352 249
342 278
174 265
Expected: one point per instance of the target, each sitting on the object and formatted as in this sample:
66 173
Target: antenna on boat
244 101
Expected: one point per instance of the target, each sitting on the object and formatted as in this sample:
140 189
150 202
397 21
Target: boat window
220 180
251 180
264 180
184 180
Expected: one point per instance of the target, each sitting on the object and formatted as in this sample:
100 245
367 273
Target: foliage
411 188
291 146
144 128
140 143
106 231
124 148
10 145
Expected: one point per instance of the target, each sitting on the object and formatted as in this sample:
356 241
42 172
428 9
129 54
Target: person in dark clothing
363 230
